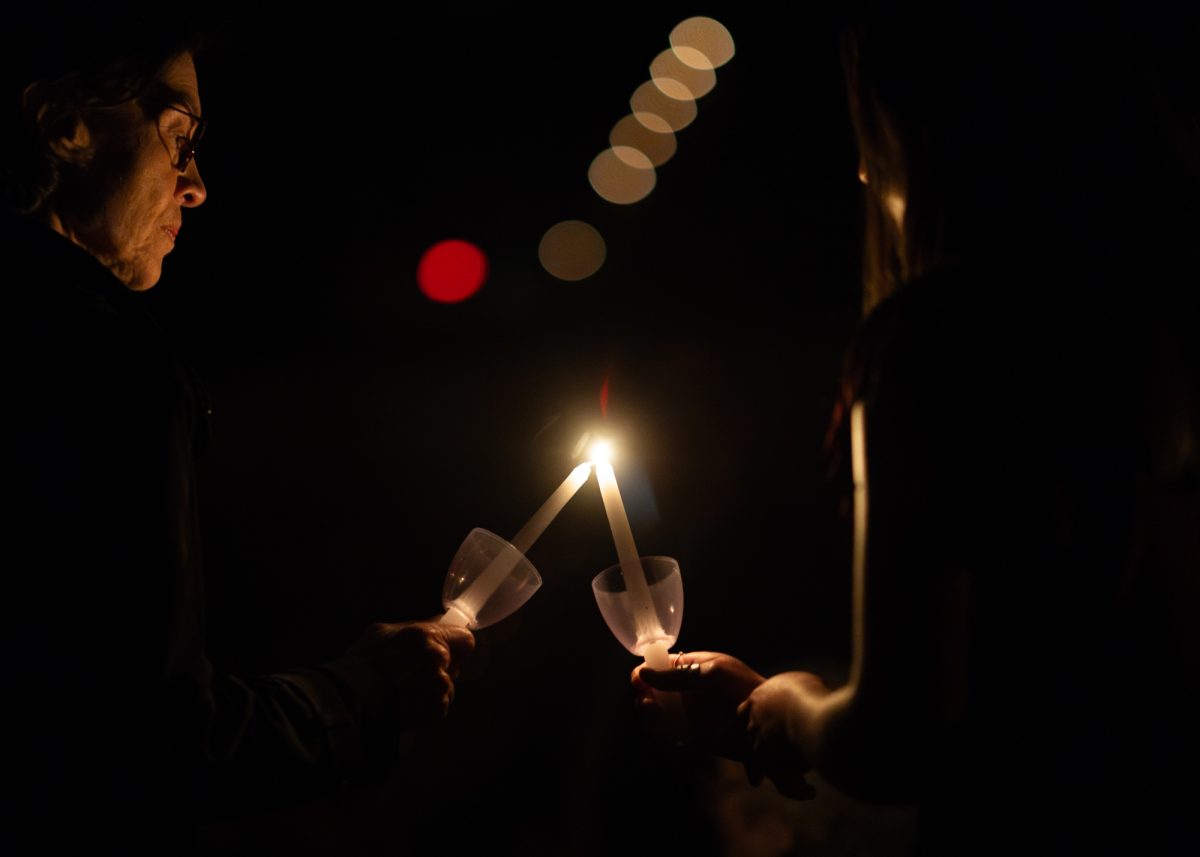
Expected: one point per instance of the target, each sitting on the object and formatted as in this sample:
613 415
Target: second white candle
649 629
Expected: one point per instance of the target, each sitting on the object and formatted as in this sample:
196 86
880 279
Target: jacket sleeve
271 740
125 713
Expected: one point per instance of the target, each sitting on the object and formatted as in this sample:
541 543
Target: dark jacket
124 732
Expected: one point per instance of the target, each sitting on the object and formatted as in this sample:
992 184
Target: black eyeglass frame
189 144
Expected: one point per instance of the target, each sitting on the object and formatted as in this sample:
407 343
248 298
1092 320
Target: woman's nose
189 189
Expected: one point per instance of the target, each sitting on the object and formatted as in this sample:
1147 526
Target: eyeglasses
186 144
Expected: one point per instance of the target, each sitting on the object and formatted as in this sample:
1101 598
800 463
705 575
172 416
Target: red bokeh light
451 271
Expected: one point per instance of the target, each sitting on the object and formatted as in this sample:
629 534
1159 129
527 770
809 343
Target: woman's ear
70 140
64 131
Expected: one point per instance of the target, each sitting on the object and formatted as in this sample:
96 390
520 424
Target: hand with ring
712 686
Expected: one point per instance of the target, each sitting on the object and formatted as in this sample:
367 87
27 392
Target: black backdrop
360 430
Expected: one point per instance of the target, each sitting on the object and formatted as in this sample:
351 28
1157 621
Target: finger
425 703
431 656
445 698
654 722
648 710
635 679
743 713
645 695
686 677
459 641
793 784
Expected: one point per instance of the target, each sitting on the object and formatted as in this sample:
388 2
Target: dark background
360 431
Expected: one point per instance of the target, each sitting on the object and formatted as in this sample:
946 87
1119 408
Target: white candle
645 617
476 595
536 525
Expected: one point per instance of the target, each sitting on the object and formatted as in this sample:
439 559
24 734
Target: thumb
459 641
683 678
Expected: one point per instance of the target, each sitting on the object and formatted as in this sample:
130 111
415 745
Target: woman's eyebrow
182 100
173 96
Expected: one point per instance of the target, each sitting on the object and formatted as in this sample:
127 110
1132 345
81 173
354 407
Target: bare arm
875 736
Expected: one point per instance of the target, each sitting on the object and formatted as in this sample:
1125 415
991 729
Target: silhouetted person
120 733
1020 428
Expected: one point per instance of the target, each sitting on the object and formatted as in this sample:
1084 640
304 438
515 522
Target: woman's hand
418 663
773 718
734 712
711 685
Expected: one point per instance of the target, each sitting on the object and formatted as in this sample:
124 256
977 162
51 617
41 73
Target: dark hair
56 72
1015 133
1062 142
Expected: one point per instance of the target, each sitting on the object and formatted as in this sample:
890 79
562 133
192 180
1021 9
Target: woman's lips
173 231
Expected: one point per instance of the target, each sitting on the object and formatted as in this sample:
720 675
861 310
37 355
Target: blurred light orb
679 80
657 147
694 59
672 88
705 35
572 250
658 111
652 121
451 271
622 178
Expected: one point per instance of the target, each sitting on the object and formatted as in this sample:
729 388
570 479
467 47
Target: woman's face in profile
131 196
